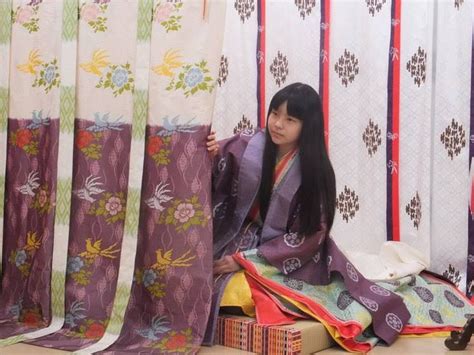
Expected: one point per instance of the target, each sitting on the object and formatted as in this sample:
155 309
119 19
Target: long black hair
317 193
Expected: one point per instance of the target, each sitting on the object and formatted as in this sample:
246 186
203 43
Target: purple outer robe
310 258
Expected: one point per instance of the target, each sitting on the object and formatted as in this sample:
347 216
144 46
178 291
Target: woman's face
284 130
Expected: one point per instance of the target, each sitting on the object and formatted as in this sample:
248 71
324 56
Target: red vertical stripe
263 48
327 4
396 124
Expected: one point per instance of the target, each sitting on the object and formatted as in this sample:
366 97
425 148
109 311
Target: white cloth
395 260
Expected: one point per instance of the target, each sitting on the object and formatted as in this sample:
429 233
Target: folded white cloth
395 260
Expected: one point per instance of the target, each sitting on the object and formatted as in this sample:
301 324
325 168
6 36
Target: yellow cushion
237 294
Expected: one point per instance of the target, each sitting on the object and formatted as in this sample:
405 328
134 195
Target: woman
274 203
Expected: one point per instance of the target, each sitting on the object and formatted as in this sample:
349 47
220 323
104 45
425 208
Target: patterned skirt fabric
434 305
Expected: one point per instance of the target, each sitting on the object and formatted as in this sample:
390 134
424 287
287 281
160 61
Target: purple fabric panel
169 305
30 199
470 248
101 162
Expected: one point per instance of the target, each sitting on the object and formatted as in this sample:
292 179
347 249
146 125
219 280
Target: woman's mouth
277 135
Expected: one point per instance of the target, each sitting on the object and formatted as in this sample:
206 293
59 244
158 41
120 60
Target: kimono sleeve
226 163
299 256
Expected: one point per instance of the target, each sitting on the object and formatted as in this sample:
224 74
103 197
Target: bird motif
102 123
94 249
31 184
31 242
158 326
171 60
34 61
37 120
89 189
164 260
159 197
171 126
99 62
75 313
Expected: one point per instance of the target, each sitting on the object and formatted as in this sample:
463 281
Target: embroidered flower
163 12
35 2
20 258
23 137
176 341
120 77
31 319
154 145
74 264
84 138
149 277
95 331
24 15
194 77
113 205
184 212
90 12
50 74
101 2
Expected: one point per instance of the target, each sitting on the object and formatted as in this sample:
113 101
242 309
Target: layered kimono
296 275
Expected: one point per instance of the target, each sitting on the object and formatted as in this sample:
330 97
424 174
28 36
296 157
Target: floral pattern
46 73
375 5
164 14
42 200
111 206
279 68
25 139
158 148
372 137
347 67
454 138
223 70
22 258
90 329
94 15
116 77
305 7
89 143
150 277
347 203
452 274
48 76
119 78
27 16
416 66
89 140
183 214
192 78
244 8
176 342
32 318
244 127
413 209
79 267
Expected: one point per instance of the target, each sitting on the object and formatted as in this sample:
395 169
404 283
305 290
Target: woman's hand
225 265
212 145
